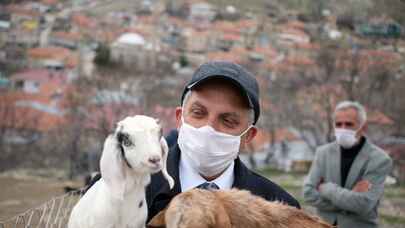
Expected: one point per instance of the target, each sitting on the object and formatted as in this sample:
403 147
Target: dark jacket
158 194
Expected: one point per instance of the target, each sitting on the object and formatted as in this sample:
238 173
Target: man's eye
230 123
349 124
197 112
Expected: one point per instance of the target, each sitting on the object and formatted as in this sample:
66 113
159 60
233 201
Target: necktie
208 186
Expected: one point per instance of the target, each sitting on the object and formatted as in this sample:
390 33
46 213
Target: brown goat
231 209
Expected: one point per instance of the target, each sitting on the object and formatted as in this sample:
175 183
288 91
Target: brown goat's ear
158 221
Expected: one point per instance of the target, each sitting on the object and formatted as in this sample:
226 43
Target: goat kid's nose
154 159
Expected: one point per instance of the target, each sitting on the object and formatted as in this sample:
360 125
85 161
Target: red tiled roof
69 58
48 52
146 19
246 23
26 117
66 35
231 37
299 60
269 51
263 137
107 115
83 21
368 59
294 31
220 55
32 119
19 10
295 25
40 75
50 2
307 46
226 27
377 117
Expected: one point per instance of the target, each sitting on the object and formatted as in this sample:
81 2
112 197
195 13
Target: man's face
222 107
348 119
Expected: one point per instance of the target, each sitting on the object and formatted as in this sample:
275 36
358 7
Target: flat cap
233 72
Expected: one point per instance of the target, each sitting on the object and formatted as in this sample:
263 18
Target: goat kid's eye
126 142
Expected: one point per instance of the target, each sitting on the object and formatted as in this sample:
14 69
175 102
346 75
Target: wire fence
51 214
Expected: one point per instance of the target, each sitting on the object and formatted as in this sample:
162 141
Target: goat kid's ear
120 137
165 152
158 221
119 126
111 168
161 129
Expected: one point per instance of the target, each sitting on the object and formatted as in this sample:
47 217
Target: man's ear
178 116
250 134
362 131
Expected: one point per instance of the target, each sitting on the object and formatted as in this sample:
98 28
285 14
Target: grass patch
392 219
270 172
394 192
291 187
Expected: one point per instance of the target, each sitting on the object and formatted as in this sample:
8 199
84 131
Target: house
379 30
32 81
291 36
228 56
69 40
283 148
201 14
27 120
230 13
35 105
132 48
5 22
51 56
107 107
291 33
22 13
4 82
81 21
227 35
24 38
197 41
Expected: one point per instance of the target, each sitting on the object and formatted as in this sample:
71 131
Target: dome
131 39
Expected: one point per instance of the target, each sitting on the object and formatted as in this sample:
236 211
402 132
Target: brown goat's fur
231 209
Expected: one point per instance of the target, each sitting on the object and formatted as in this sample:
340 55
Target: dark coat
158 194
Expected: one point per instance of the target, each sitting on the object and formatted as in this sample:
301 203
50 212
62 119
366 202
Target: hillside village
69 70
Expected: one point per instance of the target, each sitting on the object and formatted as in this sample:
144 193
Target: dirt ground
18 194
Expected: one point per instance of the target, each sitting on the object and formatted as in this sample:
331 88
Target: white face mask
346 138
208 151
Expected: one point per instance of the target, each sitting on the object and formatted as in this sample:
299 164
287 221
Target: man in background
346 180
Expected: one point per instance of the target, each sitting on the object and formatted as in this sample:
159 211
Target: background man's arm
355 200
311 184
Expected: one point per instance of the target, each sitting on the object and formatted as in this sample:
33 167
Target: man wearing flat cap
219 109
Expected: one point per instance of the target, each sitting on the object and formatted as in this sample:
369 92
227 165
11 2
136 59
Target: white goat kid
135 150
